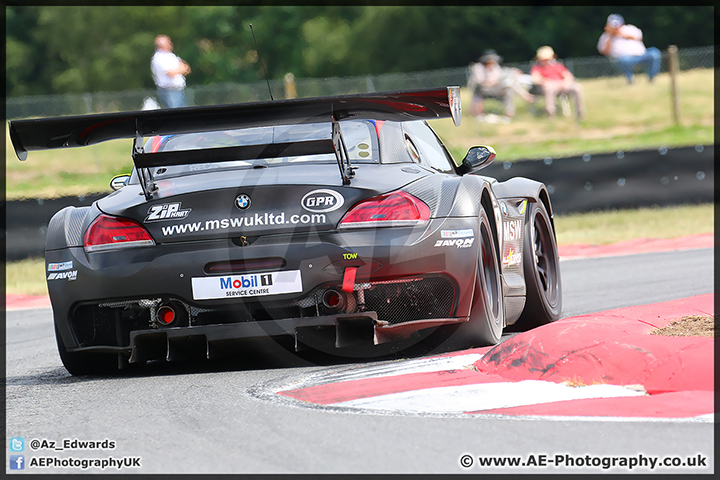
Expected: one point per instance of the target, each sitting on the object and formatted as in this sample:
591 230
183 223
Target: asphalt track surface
223 418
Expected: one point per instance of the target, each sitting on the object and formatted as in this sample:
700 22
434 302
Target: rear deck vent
241 266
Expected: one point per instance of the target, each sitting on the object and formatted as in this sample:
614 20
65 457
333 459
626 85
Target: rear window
359 136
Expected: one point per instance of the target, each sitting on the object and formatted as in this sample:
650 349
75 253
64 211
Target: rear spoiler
84 130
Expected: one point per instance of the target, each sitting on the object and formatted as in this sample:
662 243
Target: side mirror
119 181
477 158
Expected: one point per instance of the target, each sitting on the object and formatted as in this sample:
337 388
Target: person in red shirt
554 78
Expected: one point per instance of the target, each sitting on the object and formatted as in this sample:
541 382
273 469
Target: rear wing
79 131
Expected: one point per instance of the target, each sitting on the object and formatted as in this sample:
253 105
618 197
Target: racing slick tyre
86 363
541 266
485 326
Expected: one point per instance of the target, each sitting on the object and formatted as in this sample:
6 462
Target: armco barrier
27 221
591 182
639 178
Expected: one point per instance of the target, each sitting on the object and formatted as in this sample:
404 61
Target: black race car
340 223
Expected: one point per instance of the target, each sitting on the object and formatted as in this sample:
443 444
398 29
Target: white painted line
403 367
485 396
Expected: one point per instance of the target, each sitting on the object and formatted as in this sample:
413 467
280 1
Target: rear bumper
404 282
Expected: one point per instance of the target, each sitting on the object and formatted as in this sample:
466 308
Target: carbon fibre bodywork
266 249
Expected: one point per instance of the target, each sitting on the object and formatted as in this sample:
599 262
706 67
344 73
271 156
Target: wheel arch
520 187
67 226
489 204
544 197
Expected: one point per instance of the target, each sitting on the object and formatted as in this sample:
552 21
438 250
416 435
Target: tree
73 49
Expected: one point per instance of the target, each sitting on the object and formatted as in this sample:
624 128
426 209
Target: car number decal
248 285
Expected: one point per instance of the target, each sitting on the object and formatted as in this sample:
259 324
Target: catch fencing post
88 103
290 88
673 57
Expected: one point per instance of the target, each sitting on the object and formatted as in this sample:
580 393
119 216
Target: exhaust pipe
172 313
333 300
166 315
336 301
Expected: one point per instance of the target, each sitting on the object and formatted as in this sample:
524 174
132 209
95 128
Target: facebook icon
17 462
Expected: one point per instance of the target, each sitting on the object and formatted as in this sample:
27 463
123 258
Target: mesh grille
430 297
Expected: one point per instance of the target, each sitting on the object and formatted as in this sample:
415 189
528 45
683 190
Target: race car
341 224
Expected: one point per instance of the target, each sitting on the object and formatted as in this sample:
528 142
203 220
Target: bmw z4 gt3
338 223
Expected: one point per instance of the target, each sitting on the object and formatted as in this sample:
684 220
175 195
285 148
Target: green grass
599 228
27 277
73 171
617 117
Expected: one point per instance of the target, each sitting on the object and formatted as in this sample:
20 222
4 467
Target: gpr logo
322 200
17 462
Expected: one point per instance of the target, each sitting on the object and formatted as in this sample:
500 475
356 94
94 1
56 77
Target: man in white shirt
624 44
168 71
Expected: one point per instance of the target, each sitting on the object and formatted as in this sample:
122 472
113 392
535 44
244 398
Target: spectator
554 78
168 71
489 79
624 44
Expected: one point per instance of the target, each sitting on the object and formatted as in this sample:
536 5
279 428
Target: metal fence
224 93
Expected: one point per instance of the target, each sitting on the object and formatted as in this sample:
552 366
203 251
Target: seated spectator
489 79
624 44
554 78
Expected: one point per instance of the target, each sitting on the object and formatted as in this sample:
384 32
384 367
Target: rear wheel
86 363
485 326
542 270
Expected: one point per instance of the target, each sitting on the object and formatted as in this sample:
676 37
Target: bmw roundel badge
242 201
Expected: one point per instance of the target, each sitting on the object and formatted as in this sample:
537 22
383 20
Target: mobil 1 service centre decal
248 285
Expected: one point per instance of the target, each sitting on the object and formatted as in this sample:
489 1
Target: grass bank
618 117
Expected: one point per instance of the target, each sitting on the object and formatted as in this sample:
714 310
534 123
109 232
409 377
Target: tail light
393 209
106 233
